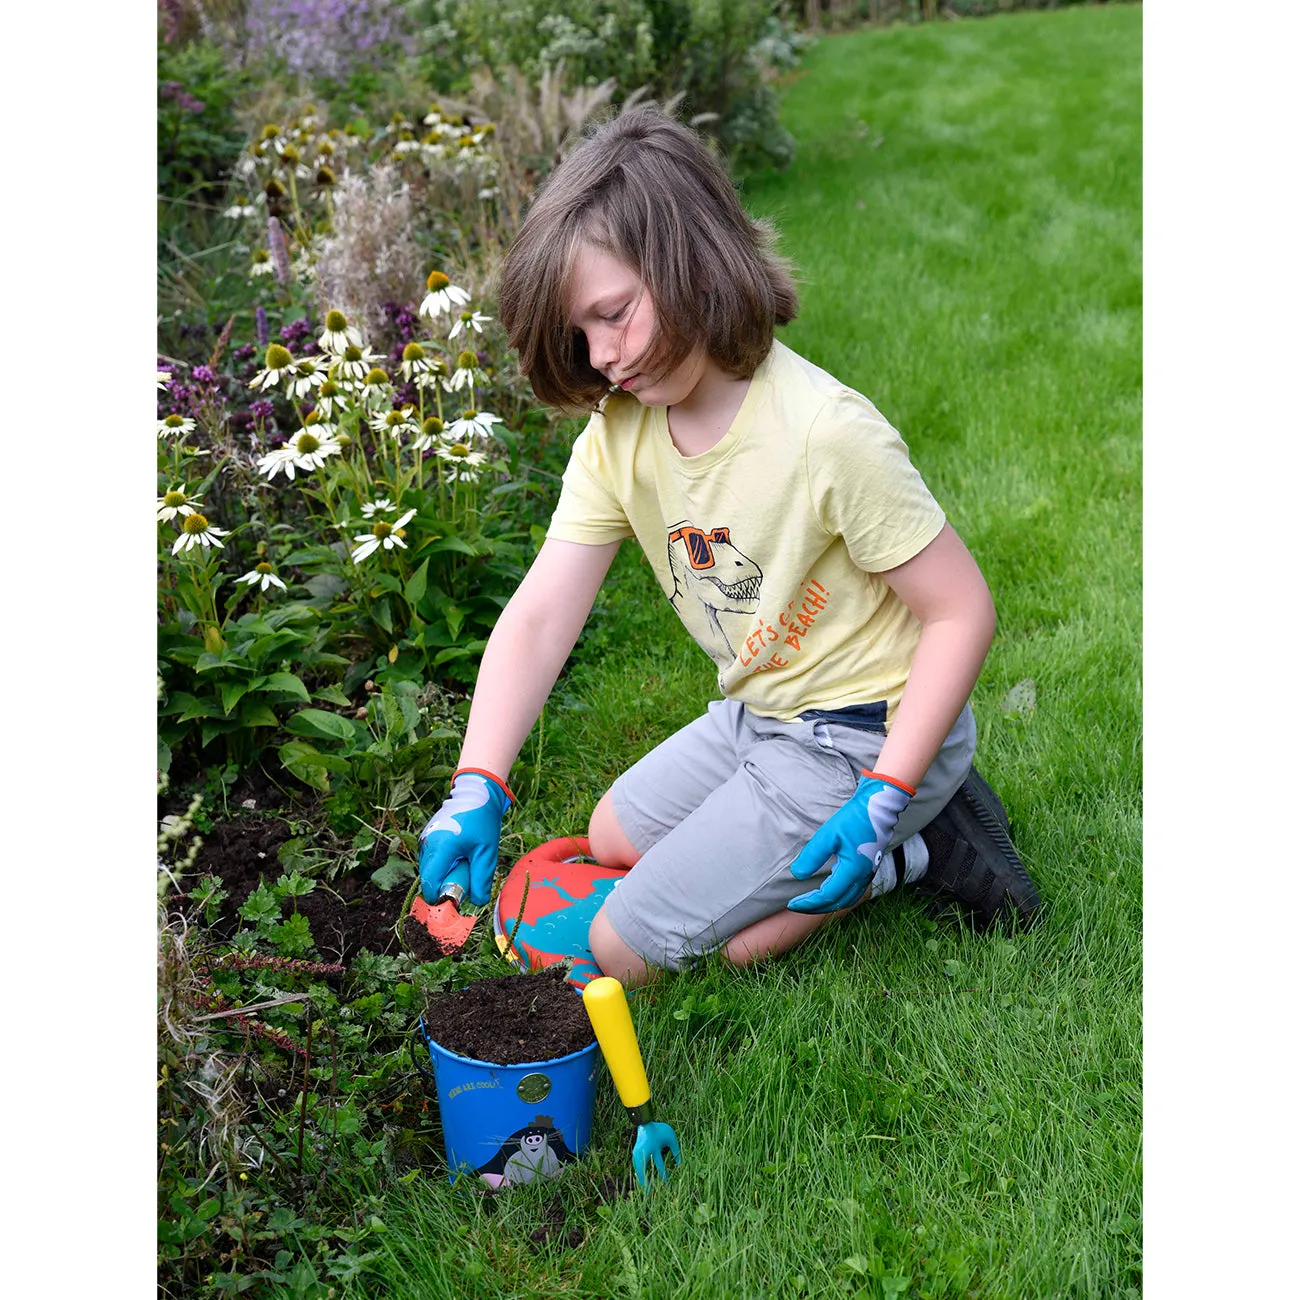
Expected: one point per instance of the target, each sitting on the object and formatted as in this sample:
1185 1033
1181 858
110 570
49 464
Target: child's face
614 310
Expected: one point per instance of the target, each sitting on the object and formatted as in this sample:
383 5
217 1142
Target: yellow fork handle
606 1005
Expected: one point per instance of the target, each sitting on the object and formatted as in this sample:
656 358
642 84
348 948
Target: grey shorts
721 808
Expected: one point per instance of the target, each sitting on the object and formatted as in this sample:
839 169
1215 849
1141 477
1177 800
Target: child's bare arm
944 588
528 647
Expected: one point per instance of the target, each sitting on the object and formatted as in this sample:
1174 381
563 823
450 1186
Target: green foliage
199 137
242 687
719 54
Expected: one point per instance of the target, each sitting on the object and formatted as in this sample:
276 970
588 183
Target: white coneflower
474 320
383 534
354 363
416 362
261 264
174 502
338 333
308 373
467 372
305 450
430 432
443 296
196 531
164 378
379 506
376 389
331 401
471 423
395 423
264 574
240 209
174 425
463 462
279 362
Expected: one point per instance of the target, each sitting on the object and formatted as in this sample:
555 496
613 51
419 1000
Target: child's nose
603 349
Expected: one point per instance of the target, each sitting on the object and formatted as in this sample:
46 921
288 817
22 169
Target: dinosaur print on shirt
711 576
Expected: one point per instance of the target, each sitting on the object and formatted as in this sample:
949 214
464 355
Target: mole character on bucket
800 547
537 1151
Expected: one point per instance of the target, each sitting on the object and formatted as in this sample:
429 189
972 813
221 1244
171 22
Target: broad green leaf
305 763
394 872
265 646
451 544
207 708
384 582
299 751
164 755
416 586
216 727
326 584
453 652
382 615
317 722
232 693
288 684
257 713
334 694
455 617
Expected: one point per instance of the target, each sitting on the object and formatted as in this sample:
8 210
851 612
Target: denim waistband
865 717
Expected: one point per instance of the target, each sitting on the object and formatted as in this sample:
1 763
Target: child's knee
610 845
614 957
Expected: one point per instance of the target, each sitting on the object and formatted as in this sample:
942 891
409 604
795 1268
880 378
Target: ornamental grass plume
371 256
279 251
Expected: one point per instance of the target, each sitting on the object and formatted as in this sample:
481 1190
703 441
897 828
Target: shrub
718 54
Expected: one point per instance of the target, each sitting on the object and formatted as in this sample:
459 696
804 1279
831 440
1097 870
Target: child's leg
719 877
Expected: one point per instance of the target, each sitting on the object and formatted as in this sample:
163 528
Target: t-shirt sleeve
865 488
589 510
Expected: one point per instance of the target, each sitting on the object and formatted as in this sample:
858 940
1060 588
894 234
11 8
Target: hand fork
606 1005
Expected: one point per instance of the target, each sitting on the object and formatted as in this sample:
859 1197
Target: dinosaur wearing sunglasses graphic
711 576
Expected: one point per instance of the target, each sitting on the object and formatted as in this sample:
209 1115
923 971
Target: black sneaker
974 863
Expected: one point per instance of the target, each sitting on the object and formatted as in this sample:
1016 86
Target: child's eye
615 316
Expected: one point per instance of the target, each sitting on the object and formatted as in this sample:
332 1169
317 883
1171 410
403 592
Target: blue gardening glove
856 837
465 830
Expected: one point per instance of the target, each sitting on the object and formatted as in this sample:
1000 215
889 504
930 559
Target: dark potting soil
422 945
345 917
511 1020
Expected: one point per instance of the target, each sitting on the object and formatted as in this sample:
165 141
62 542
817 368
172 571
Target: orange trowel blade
443 922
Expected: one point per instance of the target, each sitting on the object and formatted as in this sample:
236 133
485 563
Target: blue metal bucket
511 1124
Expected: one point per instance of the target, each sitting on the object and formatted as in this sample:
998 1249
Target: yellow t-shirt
770 544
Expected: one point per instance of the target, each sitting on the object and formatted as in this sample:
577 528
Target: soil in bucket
511 1020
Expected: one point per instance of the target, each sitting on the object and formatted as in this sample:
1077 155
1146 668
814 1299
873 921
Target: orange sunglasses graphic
699 544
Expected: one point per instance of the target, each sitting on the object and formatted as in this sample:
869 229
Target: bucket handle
421 1035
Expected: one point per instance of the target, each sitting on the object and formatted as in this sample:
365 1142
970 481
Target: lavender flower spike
263 330
279 250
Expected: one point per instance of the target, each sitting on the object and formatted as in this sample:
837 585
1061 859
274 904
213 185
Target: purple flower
203 375
326 38
262 410
263 333
246 351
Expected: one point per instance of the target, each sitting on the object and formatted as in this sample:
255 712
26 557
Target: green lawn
902 1108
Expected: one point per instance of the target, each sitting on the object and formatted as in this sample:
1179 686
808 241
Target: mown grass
902 1108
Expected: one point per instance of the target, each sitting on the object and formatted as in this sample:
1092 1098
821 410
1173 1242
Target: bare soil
511 1020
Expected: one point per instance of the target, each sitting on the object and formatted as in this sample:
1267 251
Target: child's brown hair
650 191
